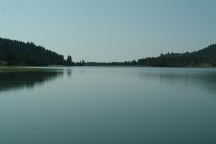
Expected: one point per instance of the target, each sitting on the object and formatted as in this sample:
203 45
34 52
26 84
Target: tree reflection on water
27 79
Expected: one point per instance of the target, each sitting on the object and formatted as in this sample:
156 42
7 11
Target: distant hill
205 57
17 53
202 58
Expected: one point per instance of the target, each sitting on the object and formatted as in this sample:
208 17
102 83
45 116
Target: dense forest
202 58
205 57
17 53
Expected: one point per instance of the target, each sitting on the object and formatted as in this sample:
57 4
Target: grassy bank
27 69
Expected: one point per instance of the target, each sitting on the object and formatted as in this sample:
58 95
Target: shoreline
62 66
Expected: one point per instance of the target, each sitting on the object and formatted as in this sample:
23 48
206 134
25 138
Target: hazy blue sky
110 30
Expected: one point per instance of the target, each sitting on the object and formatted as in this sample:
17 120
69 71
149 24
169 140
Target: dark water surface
108 105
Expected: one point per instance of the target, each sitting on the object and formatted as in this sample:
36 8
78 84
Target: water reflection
18 80
109 105
69 72
198 77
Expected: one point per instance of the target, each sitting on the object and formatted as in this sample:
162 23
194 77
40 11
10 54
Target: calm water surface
108 105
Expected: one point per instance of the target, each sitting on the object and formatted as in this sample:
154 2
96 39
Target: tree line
17 53
205 57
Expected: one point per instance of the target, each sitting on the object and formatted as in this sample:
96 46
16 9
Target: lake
108 105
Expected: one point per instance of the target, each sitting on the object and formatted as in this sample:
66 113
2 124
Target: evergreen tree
18 53
69 61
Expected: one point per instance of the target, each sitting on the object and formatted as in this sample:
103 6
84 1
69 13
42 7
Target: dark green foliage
18 53
69 61
204 57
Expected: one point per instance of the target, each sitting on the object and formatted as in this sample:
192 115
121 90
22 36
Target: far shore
55 67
